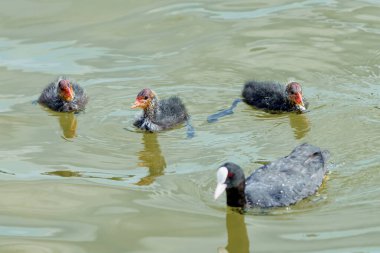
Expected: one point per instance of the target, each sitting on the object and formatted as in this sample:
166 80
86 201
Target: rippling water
91 183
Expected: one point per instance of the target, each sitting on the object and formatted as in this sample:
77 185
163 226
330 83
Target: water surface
91 183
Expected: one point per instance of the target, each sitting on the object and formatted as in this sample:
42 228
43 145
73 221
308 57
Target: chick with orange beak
159 114
63 95
274 97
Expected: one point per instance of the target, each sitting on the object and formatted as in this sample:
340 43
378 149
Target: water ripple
48 229
238 15
48 57
332 234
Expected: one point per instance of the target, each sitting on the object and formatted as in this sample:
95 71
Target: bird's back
171 112
49 97
80 99
289 179
266 95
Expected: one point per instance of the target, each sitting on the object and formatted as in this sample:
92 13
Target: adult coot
280 183
63 95
160 114
269 96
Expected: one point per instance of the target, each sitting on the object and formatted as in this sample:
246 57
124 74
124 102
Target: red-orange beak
68 93
299 101
139 103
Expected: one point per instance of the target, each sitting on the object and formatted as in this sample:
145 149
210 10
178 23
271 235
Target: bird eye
146 97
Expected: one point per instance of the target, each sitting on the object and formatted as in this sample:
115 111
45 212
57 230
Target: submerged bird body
159 114
63 95
269 96
280 183
274 96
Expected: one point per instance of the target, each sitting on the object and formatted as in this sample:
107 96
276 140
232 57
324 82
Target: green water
92 183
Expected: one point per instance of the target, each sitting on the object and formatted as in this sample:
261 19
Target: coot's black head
65 90
294 93
230 178
144 99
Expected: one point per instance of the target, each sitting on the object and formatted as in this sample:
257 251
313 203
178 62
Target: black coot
63 95
269 96
280 183
160 114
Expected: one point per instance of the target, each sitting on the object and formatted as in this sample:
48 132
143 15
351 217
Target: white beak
221 176
220 188
301 108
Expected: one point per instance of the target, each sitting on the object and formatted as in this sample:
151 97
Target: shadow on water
238 241
300 125
69 173
215 117
68 123
151 158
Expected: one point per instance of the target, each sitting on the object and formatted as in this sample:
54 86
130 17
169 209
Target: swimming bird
63 95
159 114
269 96
281 183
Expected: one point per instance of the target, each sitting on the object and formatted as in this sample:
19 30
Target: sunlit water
91 183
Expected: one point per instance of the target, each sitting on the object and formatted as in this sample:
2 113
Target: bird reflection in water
238 241
300 124
68 123
152 158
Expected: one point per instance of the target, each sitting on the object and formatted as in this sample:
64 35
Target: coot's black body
160 114
271 96
280 183
51 96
